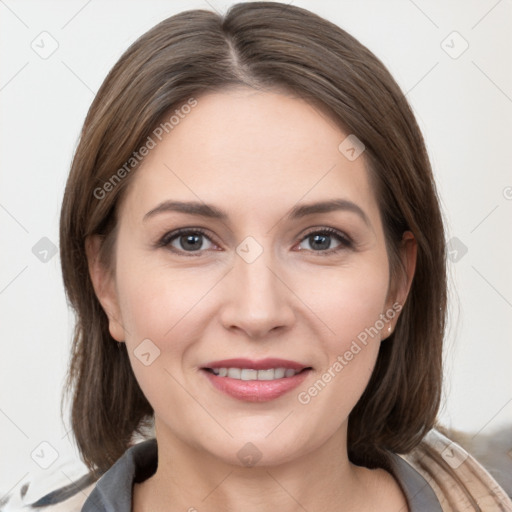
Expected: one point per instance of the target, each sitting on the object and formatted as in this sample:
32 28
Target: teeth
250 374
279 373
234 373
266 374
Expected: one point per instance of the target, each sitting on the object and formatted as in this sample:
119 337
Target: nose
258 299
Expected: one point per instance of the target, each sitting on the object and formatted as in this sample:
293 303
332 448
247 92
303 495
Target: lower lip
256 390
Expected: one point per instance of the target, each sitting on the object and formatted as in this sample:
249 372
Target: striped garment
457 479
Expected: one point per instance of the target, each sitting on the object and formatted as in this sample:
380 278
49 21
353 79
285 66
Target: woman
252 241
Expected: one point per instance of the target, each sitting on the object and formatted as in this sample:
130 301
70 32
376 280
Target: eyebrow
297 212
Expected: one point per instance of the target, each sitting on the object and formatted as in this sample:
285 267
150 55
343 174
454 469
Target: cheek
156 300
165 304
347 300
171 309
157 306
349 306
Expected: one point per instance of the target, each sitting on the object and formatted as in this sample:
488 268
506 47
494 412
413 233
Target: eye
322 240
192 242
187 241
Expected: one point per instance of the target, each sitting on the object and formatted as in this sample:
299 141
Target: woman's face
281 255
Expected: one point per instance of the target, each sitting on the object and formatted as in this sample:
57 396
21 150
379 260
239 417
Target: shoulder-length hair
261 45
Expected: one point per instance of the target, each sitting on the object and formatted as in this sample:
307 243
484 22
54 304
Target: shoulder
457 479
66 498
112 491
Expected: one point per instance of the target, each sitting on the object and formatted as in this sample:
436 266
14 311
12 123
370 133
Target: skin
254 155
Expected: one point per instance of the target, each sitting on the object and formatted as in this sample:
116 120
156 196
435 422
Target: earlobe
104 286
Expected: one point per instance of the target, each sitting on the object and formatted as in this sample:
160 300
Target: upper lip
260 364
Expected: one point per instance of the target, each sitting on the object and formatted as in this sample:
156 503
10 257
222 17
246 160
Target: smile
255 381
250 374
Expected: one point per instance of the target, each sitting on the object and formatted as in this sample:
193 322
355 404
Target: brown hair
263 45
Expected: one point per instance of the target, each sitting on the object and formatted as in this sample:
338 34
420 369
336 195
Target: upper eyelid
329 230
172 235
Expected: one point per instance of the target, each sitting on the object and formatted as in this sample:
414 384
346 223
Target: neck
189 478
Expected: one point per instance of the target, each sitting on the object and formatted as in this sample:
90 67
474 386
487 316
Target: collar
113 491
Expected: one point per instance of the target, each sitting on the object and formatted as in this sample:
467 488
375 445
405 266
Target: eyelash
345 241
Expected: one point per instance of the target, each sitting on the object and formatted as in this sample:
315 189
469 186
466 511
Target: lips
262 364
255 381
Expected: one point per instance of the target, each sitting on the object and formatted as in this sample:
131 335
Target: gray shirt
113 491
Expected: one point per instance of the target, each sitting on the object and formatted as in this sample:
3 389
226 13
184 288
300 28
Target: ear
104 285
400 289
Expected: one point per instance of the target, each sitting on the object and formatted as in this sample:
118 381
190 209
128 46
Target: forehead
259 151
